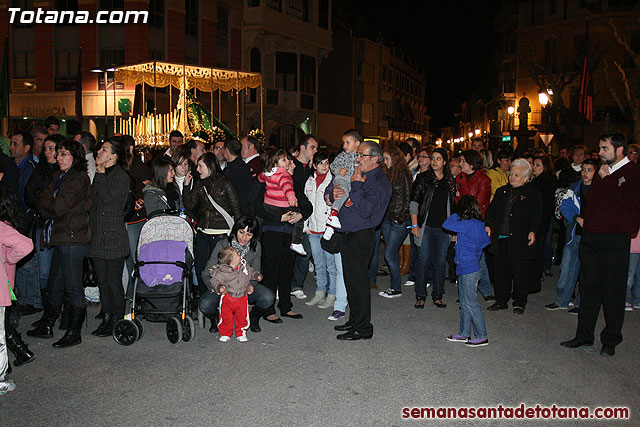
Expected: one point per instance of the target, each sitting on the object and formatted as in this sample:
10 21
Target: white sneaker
328 232
299 294
6 386
409 283
628 307
224 338
311 267
334 221
298 248
242 338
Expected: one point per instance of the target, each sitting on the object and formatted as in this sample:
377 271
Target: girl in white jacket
328 267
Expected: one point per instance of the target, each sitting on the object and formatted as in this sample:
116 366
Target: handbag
89 279
228 218
335 244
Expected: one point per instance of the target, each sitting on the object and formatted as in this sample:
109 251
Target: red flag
79 89
585 104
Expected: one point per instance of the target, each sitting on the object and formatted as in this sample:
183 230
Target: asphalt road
298 374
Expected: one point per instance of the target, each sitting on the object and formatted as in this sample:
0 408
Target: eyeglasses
365 155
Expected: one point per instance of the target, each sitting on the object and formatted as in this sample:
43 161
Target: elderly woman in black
513 220
65 206
109 242
213 222
432 201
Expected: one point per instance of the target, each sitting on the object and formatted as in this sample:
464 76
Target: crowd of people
491 221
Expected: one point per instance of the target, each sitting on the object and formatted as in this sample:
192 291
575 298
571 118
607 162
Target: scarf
242 250
48 224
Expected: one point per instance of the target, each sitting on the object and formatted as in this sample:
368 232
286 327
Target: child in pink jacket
13 247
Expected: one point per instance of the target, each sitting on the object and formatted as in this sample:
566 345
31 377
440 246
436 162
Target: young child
230 279
13 247
472 238
280 197
342 168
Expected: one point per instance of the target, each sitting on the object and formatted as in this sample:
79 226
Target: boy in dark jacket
230 279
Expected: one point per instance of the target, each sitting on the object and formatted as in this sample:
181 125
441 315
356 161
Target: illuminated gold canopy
163 74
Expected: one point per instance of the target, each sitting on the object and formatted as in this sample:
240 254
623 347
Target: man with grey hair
38 133
512 220
360 215
88 142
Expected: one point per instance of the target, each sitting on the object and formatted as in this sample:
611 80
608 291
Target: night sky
454 40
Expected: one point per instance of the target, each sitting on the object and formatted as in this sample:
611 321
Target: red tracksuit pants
231 307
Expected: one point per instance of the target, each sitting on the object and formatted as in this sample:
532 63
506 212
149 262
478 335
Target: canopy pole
211 94
238 104
144 106
184 98
155 101
170 103
114 102
220 104
261 108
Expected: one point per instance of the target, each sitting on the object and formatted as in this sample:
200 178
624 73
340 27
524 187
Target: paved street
297 373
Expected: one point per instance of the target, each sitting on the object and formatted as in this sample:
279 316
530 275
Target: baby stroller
162 282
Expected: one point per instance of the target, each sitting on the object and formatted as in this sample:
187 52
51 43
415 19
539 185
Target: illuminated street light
543 98
477 131
470 135
511 110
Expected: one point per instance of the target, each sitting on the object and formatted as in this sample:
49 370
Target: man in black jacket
237 170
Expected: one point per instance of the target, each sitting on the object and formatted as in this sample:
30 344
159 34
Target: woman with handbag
214 202
109 240
65 206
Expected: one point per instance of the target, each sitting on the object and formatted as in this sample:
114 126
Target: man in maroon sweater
611 218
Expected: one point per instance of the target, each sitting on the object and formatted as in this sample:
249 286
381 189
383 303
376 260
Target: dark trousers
298 227
512 276
204 245
301 266
604 265
538 265
277 268
65 276
356 254
109 277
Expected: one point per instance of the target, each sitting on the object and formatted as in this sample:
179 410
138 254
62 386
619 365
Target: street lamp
543 98
477 131
106 113
470 135
511 110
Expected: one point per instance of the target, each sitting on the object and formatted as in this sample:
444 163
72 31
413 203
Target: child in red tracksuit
230 279
280 197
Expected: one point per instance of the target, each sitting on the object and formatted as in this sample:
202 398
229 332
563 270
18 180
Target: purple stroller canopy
161 250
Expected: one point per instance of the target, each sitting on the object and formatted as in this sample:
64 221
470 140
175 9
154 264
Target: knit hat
443 153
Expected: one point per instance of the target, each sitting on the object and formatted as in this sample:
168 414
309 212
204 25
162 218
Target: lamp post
545 102
106 113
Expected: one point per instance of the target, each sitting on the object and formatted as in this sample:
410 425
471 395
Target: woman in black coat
109 242
513 220
543 181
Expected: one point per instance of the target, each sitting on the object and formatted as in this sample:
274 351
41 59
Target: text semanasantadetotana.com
42 16
518 412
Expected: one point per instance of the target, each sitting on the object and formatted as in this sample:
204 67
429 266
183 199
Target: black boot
45 329
254 317
64 317
214 322
19 348
106 327
72 336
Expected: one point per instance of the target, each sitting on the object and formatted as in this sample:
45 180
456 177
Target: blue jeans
44 260
341 288
65 279
394 235
569 272
633 280
301 266
470 311
325 265
262 297
432 253
27 281
375 259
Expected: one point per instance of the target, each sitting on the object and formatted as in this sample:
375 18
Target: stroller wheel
174 330
140 328
201 319
125 332
188 329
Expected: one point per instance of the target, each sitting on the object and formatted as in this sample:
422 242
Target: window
66 69
66 5
222 55
286 71
156 13
274 4
367 113
553 6
155 54
109 57
255 66
305 10
307 74
323 18
23 5
111 42
191 18
24 64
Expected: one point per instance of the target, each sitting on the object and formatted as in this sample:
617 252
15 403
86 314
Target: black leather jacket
222 191
398 209
422 193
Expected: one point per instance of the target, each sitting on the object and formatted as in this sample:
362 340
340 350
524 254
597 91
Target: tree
624 82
